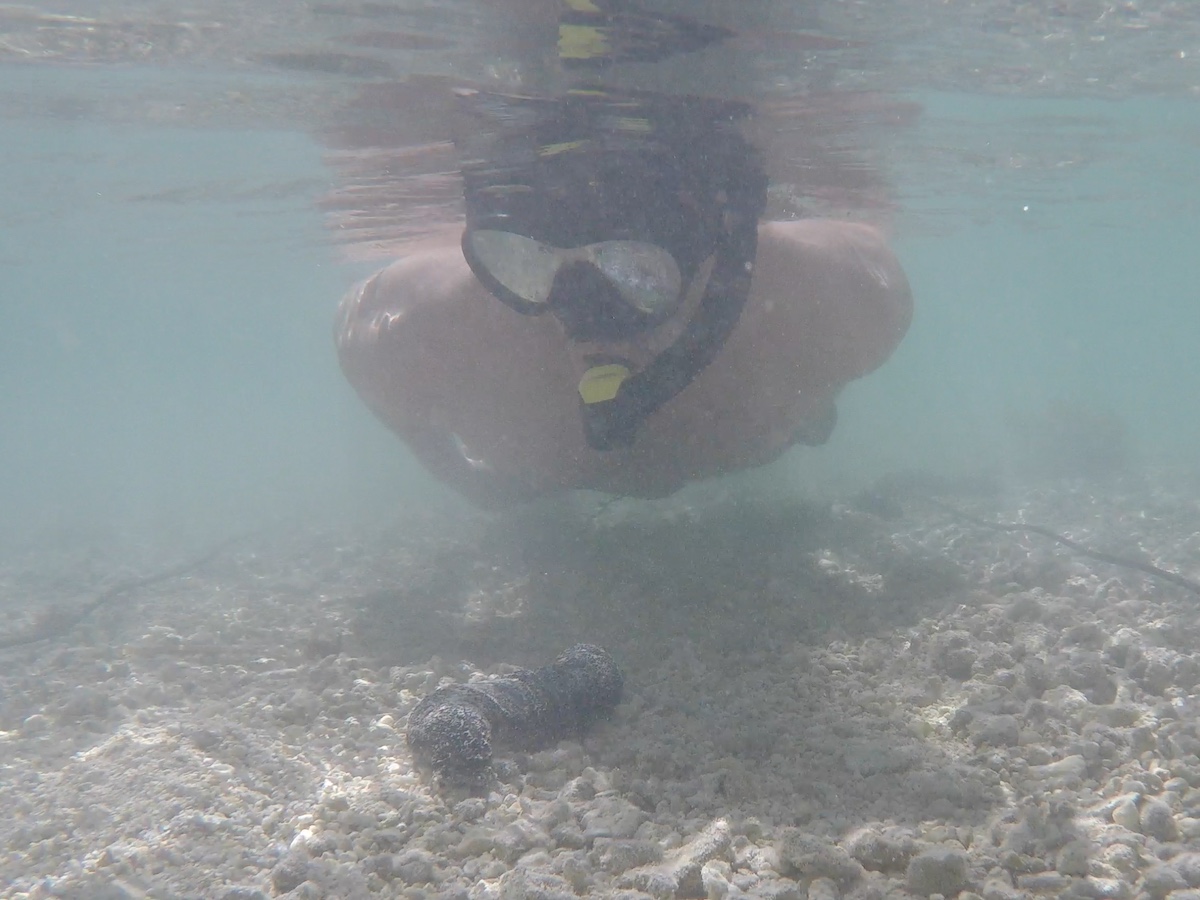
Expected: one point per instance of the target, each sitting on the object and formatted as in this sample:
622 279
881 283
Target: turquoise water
1079 288
208 596
165 333
167 288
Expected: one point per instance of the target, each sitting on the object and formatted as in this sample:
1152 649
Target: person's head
604 208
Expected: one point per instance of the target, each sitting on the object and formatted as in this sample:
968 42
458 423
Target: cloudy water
181 201
239 543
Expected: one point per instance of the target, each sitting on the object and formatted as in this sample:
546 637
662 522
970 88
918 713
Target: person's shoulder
438 257
431 268
851 253
826 233
429 282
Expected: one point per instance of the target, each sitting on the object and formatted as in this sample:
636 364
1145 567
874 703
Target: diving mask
522 271
656 199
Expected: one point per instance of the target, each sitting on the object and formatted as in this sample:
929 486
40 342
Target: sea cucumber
454 729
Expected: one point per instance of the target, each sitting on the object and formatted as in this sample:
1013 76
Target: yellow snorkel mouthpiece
600 384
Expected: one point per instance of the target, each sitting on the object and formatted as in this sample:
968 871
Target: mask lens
646 276
523 269
522 266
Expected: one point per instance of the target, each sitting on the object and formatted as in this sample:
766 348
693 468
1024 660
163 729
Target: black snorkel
608 207
627 168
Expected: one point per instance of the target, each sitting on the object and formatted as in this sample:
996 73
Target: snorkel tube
636 169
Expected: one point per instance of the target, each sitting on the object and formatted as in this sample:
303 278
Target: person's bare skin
487 398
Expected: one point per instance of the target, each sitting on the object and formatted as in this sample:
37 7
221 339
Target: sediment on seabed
862 699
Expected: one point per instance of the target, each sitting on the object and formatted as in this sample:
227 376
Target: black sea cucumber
454 729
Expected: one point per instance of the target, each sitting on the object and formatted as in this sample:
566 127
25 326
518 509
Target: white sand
819 703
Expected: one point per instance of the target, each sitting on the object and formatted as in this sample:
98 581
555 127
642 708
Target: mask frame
521 271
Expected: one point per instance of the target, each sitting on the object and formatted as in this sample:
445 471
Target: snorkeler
615 315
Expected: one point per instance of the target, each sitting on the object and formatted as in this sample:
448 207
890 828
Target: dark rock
1162 879
938 870
618 855
997 731
1157 821
380 864
290 872
811 857
953 656
1188 865
881 851
414 867
205 740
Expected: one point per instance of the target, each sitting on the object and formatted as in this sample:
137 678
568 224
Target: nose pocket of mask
589 306
643 281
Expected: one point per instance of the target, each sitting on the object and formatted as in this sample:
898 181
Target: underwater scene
638 449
